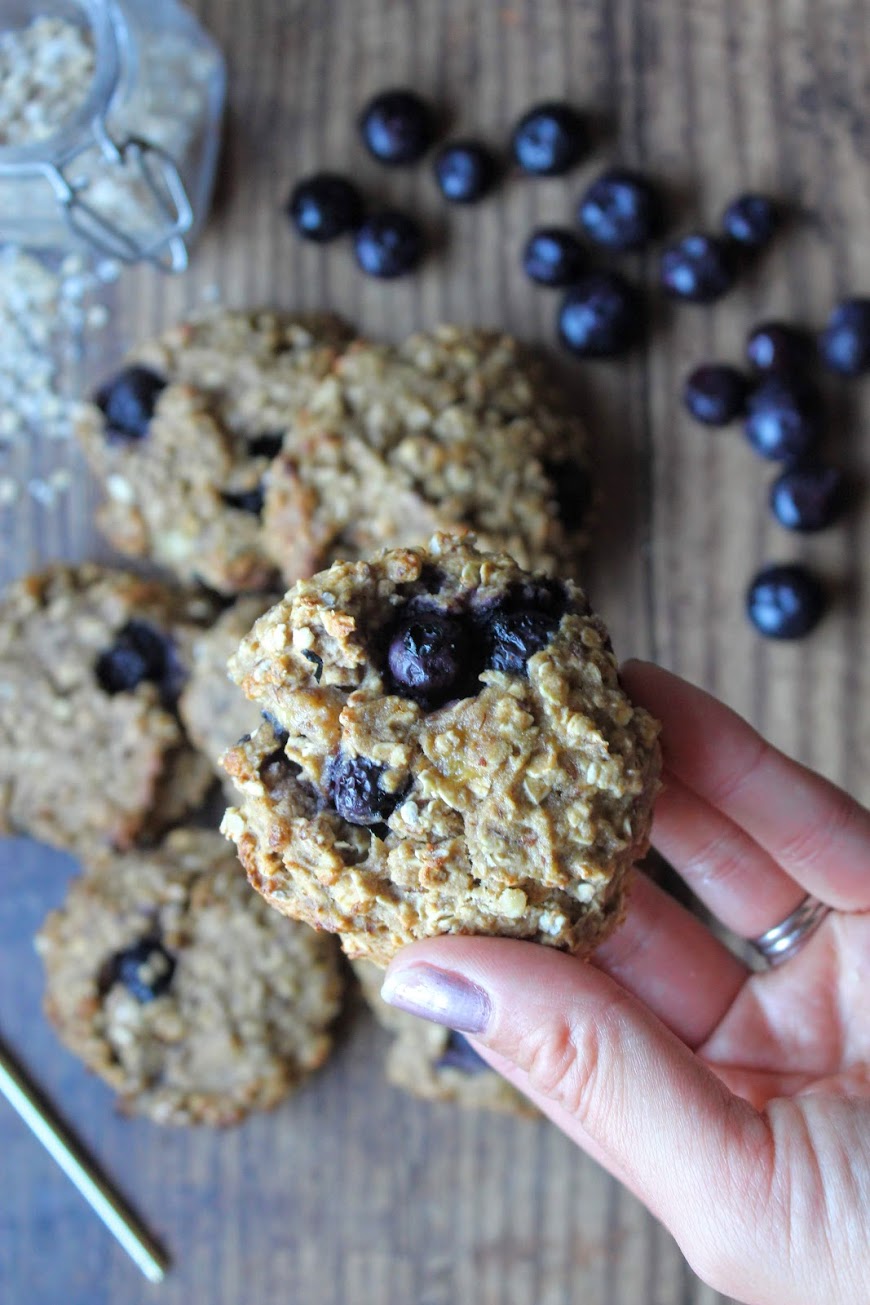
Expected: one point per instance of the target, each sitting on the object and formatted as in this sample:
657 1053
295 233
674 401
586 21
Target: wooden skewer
79 1168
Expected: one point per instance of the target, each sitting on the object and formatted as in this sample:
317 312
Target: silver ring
784 940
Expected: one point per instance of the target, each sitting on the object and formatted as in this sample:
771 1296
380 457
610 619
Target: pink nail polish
440 996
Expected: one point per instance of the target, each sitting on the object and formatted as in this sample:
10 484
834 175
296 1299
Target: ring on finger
784 940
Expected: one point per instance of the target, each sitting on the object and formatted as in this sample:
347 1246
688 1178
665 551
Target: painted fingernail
440 996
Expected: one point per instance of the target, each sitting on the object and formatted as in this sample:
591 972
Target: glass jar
137 89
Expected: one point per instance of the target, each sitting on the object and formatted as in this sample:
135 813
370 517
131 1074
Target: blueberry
389 244
553 256
572 488
459 1054
785 602
715 394
845 342
808 498
779 347
600 316
146 970
139 654
782 421
324 206
620 210
246 500
127 401
278 729
517 636
355 791
465 171
266 446
699 268
549 139
750 220
427 656
397 127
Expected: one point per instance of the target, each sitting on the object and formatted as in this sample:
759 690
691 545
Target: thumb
608 1073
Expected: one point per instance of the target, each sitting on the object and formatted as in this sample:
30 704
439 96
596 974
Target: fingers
616 1079
818 834
736 879
665 956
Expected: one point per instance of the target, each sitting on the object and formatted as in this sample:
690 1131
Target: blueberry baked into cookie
456 428
92 661
446 749
182 438
176 984
433 1062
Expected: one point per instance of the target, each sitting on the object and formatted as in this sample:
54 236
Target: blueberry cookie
213 709
91 750
454 428
433 1062
182 438
176 984
447 749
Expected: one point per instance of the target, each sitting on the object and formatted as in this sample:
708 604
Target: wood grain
352 1192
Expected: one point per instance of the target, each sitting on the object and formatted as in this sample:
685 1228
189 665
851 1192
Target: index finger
815 831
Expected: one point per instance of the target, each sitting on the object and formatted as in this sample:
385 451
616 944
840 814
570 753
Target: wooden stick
54 1135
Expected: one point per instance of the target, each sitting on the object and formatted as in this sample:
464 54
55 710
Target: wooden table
352 1194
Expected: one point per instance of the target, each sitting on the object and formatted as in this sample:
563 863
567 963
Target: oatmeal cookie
176 984
91 750
182 438
447 749
213 709
433 1062
457 428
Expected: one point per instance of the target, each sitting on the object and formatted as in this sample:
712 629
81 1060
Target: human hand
735 1105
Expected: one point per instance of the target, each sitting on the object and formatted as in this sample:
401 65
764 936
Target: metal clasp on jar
156 170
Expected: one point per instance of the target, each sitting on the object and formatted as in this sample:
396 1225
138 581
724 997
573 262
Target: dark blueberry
715 394
316 662
397 127
145 970
785 602
140 653
427 656
278 729
750 220
549 139
573 491
699 268
355 791
808 498
537 593
246 500
266 446
127 401
779 347
845 342
324 206
389 244
600 316
465 171
621 210
516 636
553 256
459 1054
783 420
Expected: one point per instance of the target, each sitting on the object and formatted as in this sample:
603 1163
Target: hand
735 1105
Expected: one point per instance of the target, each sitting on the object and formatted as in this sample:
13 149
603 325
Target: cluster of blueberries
782 413
433 656
601 314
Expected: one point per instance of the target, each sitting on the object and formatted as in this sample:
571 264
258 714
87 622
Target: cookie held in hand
446 749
